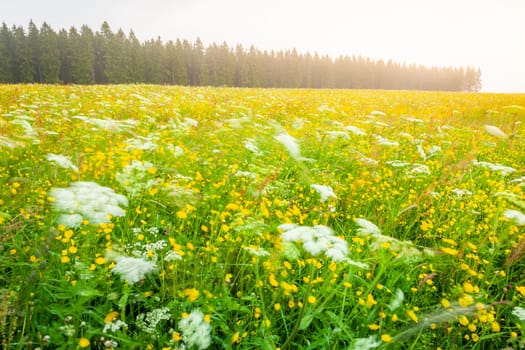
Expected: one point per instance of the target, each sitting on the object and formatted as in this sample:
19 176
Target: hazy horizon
437 33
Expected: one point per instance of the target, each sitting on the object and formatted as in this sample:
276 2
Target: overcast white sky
489 34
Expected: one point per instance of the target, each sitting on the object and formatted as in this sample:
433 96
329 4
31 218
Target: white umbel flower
61 161
366 227
195 330
88 200
502 169
326 192
132 269
316 240
495 131
355 130
290 143
519 312
515 215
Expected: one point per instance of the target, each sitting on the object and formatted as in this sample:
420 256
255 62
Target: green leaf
305 322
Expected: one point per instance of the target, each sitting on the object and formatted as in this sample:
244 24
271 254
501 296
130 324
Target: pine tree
49 54
6 54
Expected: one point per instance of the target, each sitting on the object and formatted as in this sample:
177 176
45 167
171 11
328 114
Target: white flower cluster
495 131
386 142
502 169
142 143
250 145
290 143
114 325
148 322
316 240
108 123
257 251
134 177
132 269
326 192
89 201
405 249
519 312
61 161
195 330
355 130
365 343
515 215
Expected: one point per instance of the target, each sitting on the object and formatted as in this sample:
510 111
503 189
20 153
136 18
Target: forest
84 56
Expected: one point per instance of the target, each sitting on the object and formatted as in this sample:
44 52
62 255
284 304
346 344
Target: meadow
153 217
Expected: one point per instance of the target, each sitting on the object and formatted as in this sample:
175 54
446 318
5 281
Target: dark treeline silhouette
42 55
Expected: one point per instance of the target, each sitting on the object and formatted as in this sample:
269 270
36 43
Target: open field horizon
171 217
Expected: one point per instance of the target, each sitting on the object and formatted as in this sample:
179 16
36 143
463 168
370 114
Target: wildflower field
150 217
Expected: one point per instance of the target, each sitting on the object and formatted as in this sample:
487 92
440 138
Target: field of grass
149 217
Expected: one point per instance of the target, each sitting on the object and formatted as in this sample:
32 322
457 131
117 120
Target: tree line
42 55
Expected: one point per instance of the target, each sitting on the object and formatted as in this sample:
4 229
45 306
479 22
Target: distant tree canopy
42 55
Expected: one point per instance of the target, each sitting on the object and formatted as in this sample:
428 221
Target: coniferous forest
84 56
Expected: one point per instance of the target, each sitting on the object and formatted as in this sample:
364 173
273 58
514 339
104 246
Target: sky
489 34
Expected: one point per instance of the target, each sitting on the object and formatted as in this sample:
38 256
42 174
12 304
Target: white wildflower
405 249
520 180
316 240
397 301
386 142
132 269
114 325
148 322
515 215
62 161
365 343
88 200
250 145
177 151
134 177
109 124
70 220
190 123
238 122
247 174
502 169
433 151
420 169
461 192
172 256
397 163
7 142
421 152
337 134
406 135
366 227
290 143
413 120
29 132
381 124
326 192
495 131
519 312
257 251
141 143
355 130
378 113
195 330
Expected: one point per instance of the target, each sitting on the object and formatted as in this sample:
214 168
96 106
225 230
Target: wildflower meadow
156 217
